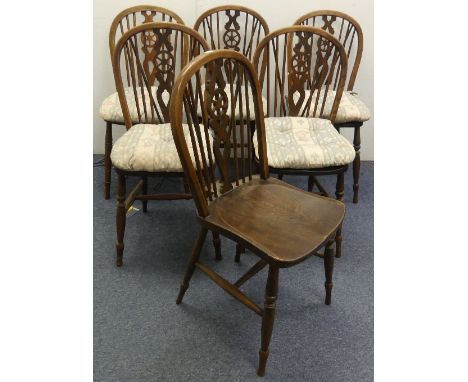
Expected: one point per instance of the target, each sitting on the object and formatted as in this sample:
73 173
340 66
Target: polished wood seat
259 212
279 223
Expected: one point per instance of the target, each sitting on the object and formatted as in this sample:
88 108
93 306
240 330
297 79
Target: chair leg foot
180 296
263 357
120 219
217 246
268 319
107 160
328 260
191 264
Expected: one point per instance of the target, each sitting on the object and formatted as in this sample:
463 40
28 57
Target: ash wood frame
124 201
356 29
125 20
262 49
204 196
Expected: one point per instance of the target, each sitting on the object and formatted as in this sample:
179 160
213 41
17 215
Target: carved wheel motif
149 40
219 102
299 63
300 68
232 39
165 62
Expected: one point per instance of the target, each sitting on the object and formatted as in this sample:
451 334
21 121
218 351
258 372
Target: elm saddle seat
257 212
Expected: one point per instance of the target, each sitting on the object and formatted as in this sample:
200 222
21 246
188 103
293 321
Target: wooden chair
237 28
302 71
149 56
279 223
110 109
352 112
232 27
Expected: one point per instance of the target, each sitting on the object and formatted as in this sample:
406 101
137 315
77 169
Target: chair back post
225 113
303 72
343 27
232 27
151 55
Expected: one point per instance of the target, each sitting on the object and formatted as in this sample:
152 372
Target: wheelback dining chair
302 70
240 29
149 56
352 112
279 223
110 110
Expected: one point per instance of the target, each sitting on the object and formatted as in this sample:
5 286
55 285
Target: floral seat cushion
301 143
351 108
111 110
148 147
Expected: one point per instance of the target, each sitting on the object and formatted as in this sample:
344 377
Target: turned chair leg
328 260
339 196
144 191
120 218
217 246
268 319
239 249
191 264
356 163
107 160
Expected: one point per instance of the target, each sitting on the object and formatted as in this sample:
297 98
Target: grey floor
140 334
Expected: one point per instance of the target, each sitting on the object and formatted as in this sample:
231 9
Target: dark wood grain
254 210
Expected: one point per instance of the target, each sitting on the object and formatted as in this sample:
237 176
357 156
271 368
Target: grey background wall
278 13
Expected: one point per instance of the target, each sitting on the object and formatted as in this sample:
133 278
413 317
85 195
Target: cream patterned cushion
112 112
298 142
227 89
351 108
147 147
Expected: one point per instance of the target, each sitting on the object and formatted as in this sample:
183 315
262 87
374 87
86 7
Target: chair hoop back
232 27
215 102
150 56
134 16
346 29
302 70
